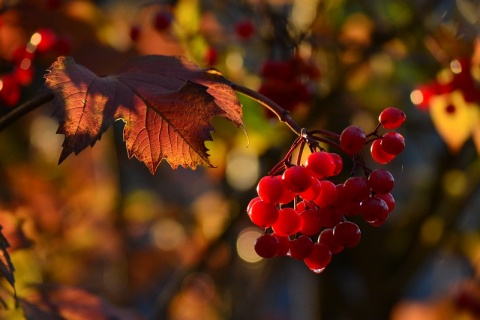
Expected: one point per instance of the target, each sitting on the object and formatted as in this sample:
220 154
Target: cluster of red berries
286 82
41 41
304 213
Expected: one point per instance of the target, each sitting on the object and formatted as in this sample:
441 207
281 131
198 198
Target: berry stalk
282 114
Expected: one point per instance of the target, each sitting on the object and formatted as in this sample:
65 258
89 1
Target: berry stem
24 108
325 133
282 114
327 141
374 132
287 160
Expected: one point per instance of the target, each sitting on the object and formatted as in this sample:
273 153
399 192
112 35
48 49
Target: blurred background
100 237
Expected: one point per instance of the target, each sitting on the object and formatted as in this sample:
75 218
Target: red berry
287 223
392 118
270 189
352 139
378 154
134 33
9 90
266 246
381 181
347 233
319 258
44 40
326 237
356 189
374 209
287 195
162 20
24 75
283 245
389 200
327 195
244 29
321 164
312 192
310 222
297 179
338 163
263 214
392 143
211 56
301 247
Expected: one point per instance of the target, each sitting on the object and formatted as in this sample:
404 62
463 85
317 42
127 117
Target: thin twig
282 114
24 108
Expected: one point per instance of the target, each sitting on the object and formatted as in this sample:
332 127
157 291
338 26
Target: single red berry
389 200
270 189
23 76
297 179
251 203
301 247
312 192
9 90
356 188
338 163
374 209
321 164
211 56
319 258
263 214
392 143
378 154
287 223
327 195
347 233
283 245
135 33
381 181
44 40
162 20
287 195
326 237
310 222
266 246
352 139
244 29
392 118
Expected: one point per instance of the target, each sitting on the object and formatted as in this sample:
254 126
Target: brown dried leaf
166 103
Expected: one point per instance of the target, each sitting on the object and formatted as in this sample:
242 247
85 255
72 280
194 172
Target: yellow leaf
454 118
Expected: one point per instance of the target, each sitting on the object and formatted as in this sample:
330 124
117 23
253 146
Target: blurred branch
24 108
